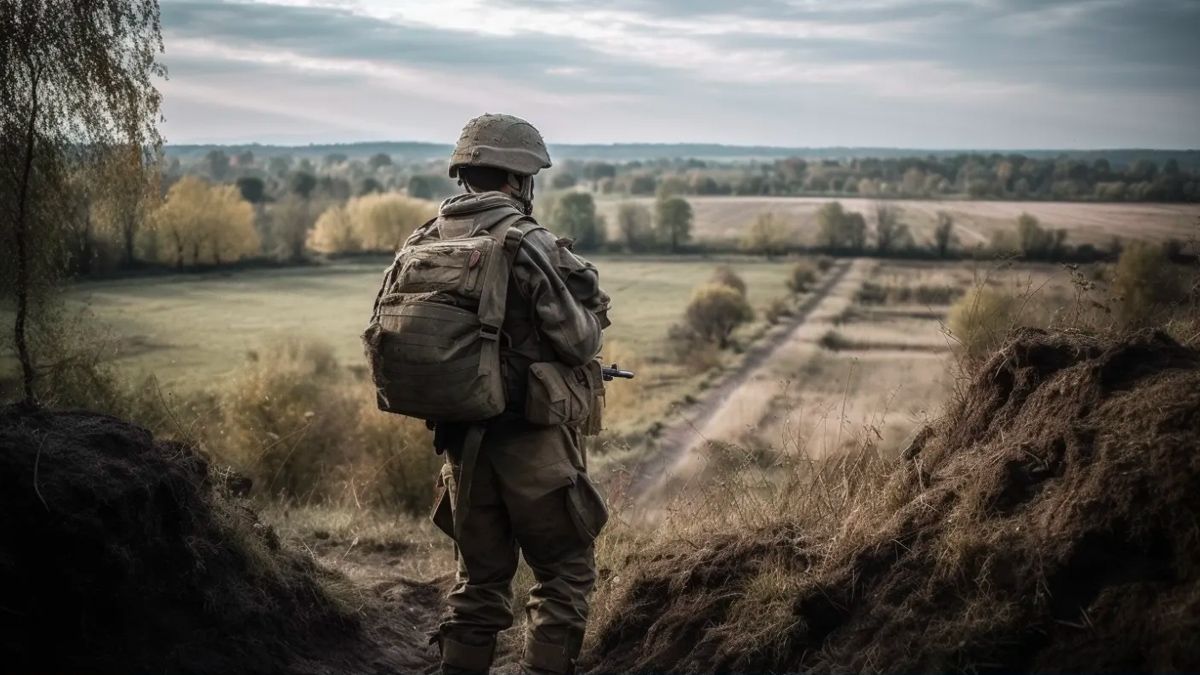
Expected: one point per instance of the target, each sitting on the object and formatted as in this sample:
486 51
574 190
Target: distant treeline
959 176
647 152
1112 176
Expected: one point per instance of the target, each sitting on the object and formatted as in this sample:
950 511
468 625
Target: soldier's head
499 152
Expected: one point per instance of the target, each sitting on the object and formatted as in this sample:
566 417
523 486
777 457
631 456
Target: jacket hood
461 205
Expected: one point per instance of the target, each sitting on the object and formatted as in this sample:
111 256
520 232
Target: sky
978 74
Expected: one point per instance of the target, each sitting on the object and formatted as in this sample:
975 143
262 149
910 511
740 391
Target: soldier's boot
546 658
459 658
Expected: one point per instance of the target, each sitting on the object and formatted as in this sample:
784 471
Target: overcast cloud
910 73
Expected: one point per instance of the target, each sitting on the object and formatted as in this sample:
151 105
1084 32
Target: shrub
673 220
981 319
1146 285
715 311
285 420
803 276
392 463
725 276
778 309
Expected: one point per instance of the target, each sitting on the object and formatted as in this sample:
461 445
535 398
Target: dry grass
946 559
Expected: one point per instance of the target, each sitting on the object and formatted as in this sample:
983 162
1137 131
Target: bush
778 309
725 276
1146 285
285 421
981 319
303 429
715 311
803 276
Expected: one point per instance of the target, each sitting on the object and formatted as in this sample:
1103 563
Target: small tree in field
635 225
673 219
75 77
838 229
767 235
202 223
334 232
575 216
384 221
890 233
943 234
715 311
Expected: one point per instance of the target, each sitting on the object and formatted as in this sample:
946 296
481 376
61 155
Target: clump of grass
981 320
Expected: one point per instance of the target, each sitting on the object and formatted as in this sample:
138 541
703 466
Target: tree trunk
21 232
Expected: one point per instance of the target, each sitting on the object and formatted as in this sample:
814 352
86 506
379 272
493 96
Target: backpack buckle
489 332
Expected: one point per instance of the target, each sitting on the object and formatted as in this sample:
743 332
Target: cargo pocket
587 509
558 394
442 513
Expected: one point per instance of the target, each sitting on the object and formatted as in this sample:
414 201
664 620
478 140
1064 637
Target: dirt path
743 397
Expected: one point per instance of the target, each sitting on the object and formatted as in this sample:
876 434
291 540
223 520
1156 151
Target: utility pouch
558 394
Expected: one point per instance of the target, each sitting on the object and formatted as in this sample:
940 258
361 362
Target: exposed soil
1047 522
120 554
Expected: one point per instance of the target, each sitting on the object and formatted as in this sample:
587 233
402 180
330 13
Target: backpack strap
509 232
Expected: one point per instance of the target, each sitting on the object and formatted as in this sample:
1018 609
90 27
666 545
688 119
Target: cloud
802 72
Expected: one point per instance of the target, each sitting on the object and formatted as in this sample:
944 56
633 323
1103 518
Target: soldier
528 488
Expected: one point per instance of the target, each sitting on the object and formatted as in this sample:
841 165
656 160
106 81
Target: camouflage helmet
500 141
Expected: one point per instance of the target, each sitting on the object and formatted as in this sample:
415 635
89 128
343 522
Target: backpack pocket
434 362
558 394
454 266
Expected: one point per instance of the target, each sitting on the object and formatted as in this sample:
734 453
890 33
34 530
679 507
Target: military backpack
433 342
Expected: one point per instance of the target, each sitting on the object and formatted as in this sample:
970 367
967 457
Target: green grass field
192 331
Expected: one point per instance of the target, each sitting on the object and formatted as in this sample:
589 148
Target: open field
192 331
861 365
725 218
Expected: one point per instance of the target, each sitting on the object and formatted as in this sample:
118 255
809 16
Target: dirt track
743 396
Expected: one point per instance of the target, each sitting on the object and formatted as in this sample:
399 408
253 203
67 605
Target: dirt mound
118 554
1050 521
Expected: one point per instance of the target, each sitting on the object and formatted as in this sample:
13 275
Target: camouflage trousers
529 495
